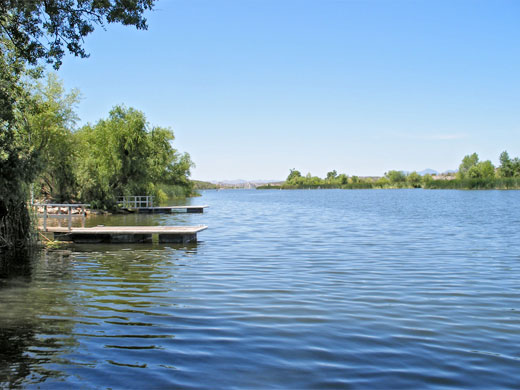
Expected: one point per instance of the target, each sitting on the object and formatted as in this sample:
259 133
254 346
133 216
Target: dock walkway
165 210
127 234
145 205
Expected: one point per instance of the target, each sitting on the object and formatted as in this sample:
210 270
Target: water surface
286 289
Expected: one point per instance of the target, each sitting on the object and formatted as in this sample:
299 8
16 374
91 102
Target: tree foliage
52 123
18 161
293 177
508 167
332 175
120 156
396 177
414 180
467 163
44 29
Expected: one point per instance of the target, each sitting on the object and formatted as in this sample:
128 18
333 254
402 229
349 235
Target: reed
16 227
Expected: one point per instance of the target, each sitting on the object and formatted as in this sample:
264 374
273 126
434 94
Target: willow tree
51 136
113 157
32 32
123 155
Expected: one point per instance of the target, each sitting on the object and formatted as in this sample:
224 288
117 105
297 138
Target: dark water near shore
286 289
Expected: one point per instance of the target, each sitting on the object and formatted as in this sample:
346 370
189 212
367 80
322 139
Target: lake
309 289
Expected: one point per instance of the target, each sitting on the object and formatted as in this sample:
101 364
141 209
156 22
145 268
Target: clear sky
253 88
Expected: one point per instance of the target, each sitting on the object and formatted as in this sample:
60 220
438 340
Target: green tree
487 169
332 175
515 164
18 161
467 163
427 179
41 29
414 180
383 182
114 157
51 125
473 173
395 177
482 170
169 170
506 165
293 177
121 156
343 179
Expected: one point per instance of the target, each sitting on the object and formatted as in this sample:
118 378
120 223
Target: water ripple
287 289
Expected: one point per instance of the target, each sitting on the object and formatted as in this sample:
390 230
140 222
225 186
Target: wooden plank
127 234
167 209
130 229
172 207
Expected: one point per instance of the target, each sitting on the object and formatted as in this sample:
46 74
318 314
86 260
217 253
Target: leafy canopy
51 124
468 162
43 29
395 176
120 156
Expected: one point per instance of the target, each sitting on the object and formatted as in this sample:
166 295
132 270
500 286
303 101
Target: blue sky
252 89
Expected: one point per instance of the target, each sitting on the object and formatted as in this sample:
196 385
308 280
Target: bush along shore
472 174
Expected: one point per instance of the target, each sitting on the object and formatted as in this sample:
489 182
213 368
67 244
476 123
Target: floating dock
126 234
165 210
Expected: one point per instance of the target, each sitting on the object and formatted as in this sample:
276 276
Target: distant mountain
428 171
243 184
265 181
232 182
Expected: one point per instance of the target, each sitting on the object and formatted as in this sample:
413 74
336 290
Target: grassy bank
512 183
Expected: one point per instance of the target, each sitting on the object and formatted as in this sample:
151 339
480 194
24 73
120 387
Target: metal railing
134 202
58 215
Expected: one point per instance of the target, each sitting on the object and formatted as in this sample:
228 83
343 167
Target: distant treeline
472 174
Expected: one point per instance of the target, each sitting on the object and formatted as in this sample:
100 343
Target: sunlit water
286 289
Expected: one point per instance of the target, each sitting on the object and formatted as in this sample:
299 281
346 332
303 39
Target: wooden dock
126 234
165 210
145 205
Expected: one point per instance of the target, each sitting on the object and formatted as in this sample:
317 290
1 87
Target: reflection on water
40 323
287 289
35 325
